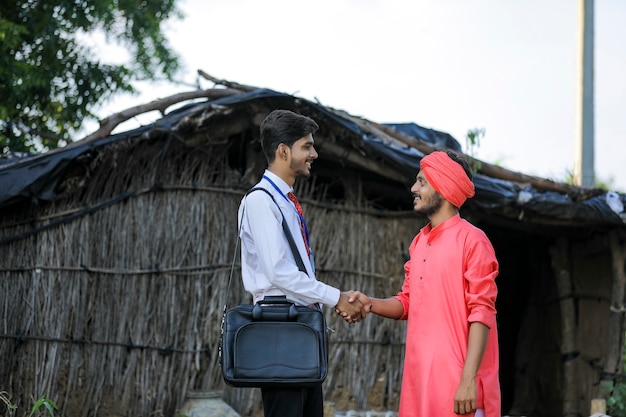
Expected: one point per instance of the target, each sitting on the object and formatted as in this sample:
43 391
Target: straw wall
112 296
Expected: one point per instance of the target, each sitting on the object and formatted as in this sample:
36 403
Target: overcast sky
506 66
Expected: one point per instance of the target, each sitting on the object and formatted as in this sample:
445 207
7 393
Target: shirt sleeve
404 295
266 237
481 270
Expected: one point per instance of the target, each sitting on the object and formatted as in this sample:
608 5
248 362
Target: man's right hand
350 306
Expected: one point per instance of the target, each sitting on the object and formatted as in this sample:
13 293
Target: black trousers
293 402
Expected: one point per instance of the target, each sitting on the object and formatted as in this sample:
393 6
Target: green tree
50 81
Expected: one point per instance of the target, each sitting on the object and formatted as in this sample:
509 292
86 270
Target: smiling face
302 154
426 200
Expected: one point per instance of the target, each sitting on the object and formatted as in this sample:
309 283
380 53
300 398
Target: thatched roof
389 153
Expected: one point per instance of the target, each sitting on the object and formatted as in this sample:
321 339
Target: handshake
353 306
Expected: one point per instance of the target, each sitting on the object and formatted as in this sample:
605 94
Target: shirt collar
280 183
428 230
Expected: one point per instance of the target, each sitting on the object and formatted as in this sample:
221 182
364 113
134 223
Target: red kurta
449 283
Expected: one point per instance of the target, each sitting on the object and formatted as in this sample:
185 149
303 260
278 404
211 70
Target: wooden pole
569 352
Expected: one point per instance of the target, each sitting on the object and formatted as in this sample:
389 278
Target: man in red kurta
448 297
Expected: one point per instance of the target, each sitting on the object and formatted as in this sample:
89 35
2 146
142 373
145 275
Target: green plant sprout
48 404
616 402
472 143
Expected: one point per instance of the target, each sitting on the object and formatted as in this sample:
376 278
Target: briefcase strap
292 244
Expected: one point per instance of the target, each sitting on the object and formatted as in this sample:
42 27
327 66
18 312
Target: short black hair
284 126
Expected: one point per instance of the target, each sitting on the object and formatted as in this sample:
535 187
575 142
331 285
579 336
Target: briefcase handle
268 314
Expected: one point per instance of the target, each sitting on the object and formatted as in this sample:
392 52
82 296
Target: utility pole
584 152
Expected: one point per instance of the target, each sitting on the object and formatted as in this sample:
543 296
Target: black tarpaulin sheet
36 177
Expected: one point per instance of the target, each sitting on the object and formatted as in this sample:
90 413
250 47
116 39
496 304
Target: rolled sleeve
481 292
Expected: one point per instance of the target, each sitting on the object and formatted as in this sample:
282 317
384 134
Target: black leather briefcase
274 343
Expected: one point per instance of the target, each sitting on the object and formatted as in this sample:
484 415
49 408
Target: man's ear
282 151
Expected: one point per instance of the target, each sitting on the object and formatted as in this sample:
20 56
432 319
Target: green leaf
48 404
51 406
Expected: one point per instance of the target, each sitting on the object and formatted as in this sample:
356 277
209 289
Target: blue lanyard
302 221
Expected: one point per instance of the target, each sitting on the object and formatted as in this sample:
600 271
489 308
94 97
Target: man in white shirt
269 267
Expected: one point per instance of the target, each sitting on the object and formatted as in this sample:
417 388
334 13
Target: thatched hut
116 251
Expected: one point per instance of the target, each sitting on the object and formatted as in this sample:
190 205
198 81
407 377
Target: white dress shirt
268 266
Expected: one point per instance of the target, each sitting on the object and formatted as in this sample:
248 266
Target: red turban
447 177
